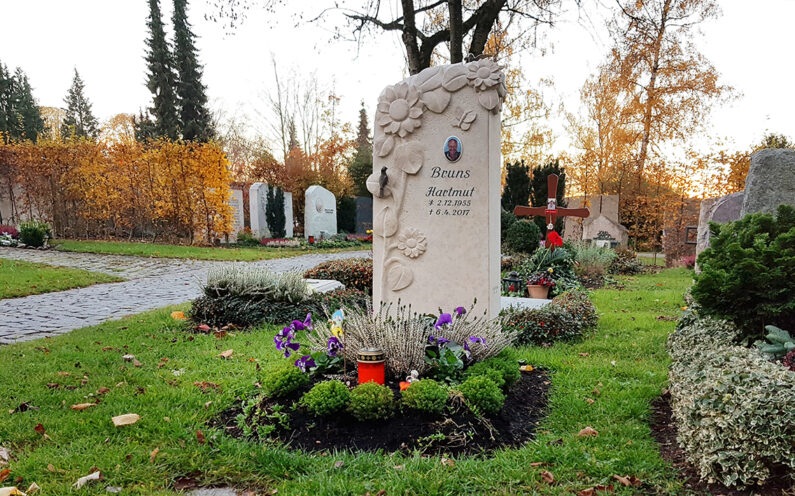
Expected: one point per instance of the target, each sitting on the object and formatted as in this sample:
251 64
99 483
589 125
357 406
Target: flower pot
538 291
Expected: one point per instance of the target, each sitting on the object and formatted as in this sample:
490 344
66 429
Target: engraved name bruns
438 172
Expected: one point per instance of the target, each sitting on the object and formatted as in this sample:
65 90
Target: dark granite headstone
364 214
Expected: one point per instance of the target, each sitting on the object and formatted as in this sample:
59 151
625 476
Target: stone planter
538 291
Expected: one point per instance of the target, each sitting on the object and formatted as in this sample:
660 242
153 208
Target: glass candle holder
371 365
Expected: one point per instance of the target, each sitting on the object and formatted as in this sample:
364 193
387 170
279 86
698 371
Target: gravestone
236 202
364 214
603 218
436 189
320 213
770 181
258 211
720 210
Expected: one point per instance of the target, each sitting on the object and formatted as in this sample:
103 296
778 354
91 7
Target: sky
749 45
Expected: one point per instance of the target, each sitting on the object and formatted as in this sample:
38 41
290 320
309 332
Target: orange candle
371 363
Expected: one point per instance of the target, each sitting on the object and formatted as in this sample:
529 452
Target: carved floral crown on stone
399 112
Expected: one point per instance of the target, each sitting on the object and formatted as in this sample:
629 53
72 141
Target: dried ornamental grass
256 283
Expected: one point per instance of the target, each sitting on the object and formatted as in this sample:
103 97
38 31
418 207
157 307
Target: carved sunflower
483 74
412 243
399 109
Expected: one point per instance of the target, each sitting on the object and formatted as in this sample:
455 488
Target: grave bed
457 431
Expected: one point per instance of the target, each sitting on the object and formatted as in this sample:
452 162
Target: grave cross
551 211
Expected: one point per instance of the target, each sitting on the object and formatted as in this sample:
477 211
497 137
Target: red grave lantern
371 364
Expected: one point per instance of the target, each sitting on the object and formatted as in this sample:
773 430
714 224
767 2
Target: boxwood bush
733 408
425 395
482 394
748 272
282 381
371 401
326 398
354 273
522 237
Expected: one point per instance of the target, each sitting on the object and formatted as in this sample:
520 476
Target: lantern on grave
371 363
512 279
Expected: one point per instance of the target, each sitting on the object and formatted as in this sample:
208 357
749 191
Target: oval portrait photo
452 149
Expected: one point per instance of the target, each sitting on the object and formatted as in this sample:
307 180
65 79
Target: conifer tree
161 79
9 122
29 112
517 186
79 121
293 136
362 165
20 116
194 114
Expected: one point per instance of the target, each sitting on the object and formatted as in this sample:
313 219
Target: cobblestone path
152 283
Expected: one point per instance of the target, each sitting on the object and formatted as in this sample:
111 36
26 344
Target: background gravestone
236 201
770 181
436 221
258 211
720 210
320 212
364 214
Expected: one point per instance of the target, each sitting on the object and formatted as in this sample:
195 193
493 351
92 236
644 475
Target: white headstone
258 211
236 201
320 212
437 219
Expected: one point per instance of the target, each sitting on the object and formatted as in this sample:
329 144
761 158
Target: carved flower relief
399 112
412 243
488 79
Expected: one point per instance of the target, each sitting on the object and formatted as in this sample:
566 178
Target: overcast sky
750 45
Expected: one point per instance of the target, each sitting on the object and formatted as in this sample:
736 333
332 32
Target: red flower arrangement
554 239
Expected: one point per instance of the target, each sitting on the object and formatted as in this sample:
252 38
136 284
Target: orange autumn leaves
98 189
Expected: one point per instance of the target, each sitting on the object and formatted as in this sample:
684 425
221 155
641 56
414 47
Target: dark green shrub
507 219
326 398
371 401
483 395
748 272
522 237
246 238
284 380
34 233
626 263
425 395
567 316
354 273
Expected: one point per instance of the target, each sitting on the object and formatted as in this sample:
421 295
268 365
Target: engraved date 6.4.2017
448 211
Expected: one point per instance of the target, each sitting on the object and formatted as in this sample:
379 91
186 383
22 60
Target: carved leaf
409 158
384 145
489 99
385 223
455 77
430 79
399 277
436 100
374 186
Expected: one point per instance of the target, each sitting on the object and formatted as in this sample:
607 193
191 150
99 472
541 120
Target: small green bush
326 398
506 367
34 233
483 394
482 369
567 316
371 401
425 395
522 237
283 381
748 272
354 273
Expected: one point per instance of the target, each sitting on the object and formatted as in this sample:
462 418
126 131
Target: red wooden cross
551 211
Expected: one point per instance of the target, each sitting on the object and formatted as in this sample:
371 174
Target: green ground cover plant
157 250
19 278
621 368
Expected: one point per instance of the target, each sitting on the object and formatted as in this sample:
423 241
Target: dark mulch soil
664 431
459 432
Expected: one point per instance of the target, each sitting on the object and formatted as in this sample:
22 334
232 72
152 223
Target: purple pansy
306 325
460 311
473 340
437 340
333 346
283 340
443 319
305 363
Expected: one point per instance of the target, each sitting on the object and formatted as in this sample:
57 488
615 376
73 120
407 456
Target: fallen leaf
153 455
339 464
53 385
547 477
556 442
40 429
226 354
82 481
50 467
32 488
136 363
83 406
103 390
63 374
613 363
602 487
113 489
448 462
219 334
204 386
207 405
587 432
178 316
4 474
596 391
628 480
126 419
587 492
5 456
200 437
585 354
203 328
10 491
128 357
589 401
399 467
540 464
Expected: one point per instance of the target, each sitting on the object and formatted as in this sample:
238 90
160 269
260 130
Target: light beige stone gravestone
436 189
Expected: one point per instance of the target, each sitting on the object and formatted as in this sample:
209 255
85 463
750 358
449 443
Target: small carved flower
412 243
399 109
483 74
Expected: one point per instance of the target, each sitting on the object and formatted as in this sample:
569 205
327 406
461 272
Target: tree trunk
456 31
409 37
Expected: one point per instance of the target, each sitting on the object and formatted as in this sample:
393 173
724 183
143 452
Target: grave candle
371 362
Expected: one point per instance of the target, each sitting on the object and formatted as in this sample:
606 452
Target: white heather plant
403 336
257 282
733 407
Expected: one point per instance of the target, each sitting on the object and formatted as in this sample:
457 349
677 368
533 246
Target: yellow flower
551 270
178 316
337 331
369 231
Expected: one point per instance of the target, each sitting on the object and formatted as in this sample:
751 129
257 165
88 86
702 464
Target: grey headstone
364 214
770 181
720 210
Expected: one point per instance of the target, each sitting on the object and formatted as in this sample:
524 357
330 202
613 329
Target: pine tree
145 127
20 117
29 112
9 122
161 79
517 186
540 190
362 165
79 121
194 115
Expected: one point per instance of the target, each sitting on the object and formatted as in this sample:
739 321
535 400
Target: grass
192 252
25 278
172 409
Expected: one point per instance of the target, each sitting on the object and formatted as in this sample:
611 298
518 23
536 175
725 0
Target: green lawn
172 409
193 252
25 278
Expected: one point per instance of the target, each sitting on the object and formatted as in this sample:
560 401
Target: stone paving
152 283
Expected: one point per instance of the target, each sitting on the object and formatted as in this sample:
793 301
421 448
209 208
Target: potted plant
538 285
